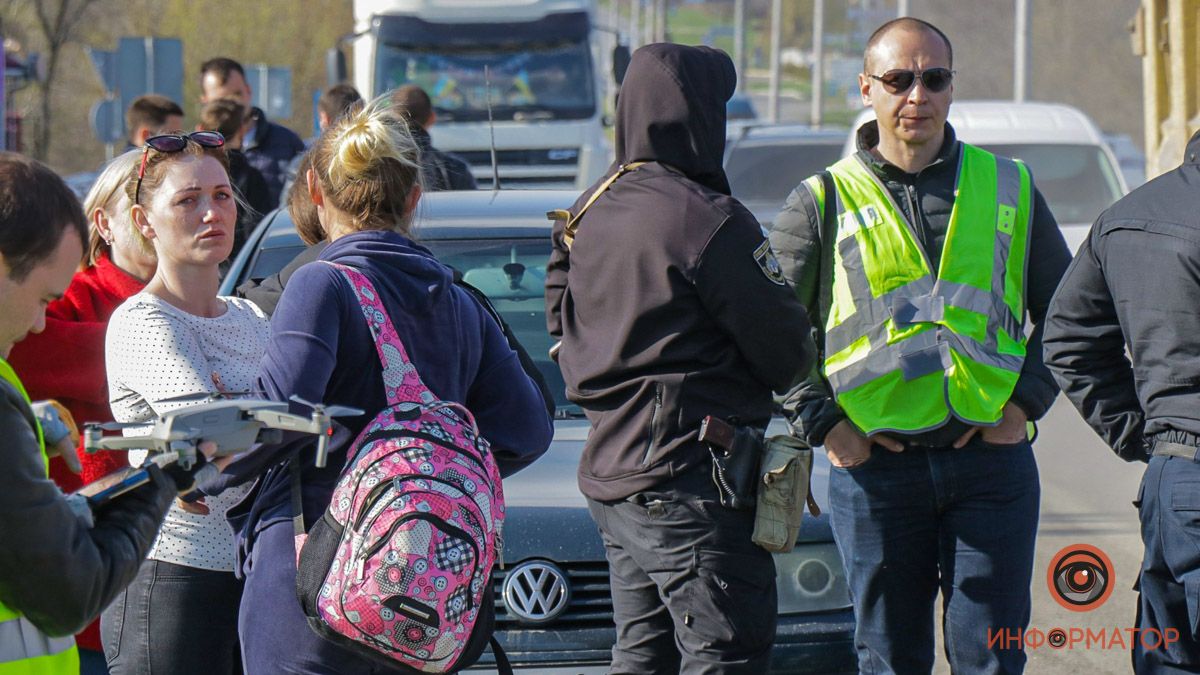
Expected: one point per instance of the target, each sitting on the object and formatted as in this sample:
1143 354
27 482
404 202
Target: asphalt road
1086 495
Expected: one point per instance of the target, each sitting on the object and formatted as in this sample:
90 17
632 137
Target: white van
1072 166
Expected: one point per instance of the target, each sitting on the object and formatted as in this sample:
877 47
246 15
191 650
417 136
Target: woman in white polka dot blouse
174 339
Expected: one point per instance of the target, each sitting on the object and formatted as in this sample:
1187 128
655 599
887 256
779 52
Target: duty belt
1169 449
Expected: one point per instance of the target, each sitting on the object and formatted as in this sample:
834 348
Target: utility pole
635 24
660 21
652 7
818 64
3 94
901 8
739 42
1021 51
776 38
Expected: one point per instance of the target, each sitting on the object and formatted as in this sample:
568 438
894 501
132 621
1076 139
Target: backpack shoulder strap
400 378
572 225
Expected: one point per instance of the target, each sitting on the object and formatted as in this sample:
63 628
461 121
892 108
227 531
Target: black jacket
252 187
1134 284
669 306
795 236
55 569
441 170
271 151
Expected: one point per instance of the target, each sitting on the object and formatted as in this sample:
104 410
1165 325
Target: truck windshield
530 83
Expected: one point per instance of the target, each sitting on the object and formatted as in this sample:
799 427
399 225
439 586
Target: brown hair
152 111
339 100
225 115
412 102
154 168
223 67
36 208
106 194
300 205
367 165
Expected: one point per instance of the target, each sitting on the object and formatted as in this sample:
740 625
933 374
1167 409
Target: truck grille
591 600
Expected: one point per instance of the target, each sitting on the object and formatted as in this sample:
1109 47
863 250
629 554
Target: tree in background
54 24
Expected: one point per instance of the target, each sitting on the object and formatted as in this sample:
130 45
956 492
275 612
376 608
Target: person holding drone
60 562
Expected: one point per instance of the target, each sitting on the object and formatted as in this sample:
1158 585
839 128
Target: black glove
185 479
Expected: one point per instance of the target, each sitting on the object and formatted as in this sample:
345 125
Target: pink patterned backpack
399 567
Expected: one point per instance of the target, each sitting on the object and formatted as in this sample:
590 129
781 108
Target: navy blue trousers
959 521
1169 583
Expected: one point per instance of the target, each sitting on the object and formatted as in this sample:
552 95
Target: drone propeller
202 396
332 411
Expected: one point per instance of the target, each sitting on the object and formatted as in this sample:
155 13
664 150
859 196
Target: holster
737 454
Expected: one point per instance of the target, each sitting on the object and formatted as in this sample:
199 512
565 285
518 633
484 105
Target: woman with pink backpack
375 296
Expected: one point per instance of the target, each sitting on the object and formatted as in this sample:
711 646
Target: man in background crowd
269 147
151 114
439 170
227 116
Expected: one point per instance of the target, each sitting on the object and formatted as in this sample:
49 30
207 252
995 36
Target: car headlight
811 579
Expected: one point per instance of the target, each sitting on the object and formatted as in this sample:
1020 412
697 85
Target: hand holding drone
232 425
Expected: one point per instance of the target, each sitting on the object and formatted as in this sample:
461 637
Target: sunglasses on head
899 81
174 143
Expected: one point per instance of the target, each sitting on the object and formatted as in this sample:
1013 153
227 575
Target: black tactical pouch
737 454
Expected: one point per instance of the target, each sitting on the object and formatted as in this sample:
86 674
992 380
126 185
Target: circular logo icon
1080 577
536 592
1056 638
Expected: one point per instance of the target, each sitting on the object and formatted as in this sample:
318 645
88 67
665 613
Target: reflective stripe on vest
906 349
24 649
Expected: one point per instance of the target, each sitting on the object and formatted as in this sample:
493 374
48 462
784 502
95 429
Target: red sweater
65 362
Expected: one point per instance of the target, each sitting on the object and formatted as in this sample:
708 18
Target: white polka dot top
155 351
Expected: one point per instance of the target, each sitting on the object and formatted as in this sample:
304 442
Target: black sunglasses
174 143
899 81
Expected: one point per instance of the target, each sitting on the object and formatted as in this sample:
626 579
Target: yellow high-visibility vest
906 349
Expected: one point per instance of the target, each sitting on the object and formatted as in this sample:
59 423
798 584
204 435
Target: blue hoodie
321 350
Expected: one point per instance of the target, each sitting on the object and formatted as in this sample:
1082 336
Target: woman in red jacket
65 361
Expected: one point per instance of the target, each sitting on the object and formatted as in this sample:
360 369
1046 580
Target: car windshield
550 82
769 173
1078 181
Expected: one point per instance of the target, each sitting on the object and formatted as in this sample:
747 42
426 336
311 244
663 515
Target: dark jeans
962 521
1169 583
173 620
691 593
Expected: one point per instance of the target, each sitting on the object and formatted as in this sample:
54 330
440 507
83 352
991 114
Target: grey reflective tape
985 354
919 309
1008 196
20 639
934 358
879 362
988 303
856 276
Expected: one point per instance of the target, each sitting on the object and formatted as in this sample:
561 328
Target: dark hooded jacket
669 306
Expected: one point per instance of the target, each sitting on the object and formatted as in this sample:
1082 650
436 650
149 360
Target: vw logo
536 592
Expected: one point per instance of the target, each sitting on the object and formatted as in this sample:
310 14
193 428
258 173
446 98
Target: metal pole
1021 51
901 8
776 38
3 94
818 65
635 24
660 27
648 25
739 42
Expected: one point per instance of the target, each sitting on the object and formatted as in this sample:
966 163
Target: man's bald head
905 23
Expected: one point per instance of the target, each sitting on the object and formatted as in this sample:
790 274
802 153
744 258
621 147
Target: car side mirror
620 62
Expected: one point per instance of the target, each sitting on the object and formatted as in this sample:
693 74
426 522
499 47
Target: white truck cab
1072 166
537 62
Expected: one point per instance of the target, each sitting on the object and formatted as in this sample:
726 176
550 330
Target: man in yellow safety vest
60 564
918 259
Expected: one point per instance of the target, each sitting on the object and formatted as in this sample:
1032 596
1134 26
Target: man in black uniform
1134 284
670 307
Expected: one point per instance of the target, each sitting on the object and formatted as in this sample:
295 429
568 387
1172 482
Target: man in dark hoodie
670 307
